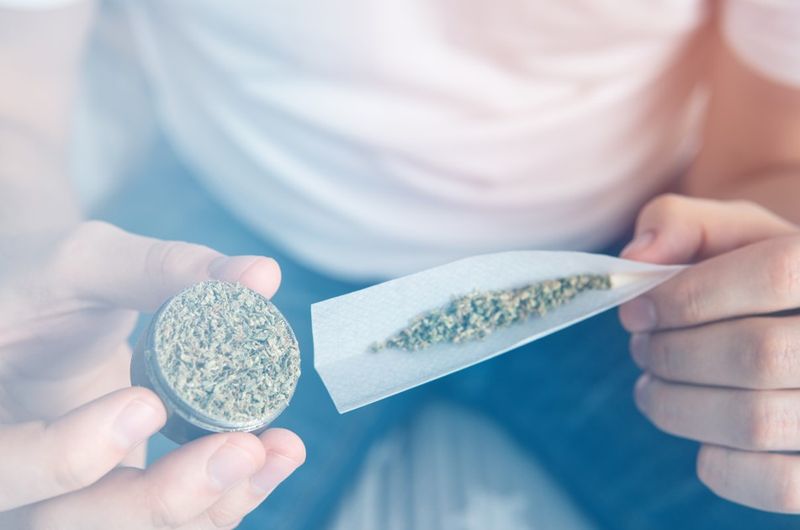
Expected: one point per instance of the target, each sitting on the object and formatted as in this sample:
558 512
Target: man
371 139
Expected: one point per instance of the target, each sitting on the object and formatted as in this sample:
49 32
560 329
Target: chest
367 36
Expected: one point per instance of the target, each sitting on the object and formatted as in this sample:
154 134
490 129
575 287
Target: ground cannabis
228 352
475 315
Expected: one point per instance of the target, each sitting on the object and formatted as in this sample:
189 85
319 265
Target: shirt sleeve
765 34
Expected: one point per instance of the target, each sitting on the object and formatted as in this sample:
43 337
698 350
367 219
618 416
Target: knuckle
160 255
783 271
164 258
668 359
770 425
759 429
73 465
69 471
671 365
660 360
771 355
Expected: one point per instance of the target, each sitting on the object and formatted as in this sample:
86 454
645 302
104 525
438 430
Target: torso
377 138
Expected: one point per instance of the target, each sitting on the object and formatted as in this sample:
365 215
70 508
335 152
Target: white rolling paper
344 327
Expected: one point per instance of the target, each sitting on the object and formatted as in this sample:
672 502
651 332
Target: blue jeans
567 398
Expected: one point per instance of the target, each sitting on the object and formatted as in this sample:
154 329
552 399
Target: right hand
73 430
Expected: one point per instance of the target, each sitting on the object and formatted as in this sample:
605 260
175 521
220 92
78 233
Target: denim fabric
567 398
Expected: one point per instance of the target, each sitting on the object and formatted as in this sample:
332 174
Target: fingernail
276 469
638 346
639 243
229 465
137 422
640 393
638 315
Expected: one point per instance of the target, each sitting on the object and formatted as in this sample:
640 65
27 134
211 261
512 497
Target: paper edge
664 272
667 274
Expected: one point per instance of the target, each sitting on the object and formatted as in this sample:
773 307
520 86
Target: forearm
750 139
40 54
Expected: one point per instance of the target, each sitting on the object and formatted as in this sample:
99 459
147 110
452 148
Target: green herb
475 315
228 352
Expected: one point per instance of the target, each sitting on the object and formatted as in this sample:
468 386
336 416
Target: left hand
720 343
72 429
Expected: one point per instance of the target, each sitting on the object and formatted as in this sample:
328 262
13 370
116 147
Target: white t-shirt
374 138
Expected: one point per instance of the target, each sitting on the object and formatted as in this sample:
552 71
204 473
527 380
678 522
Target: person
356 141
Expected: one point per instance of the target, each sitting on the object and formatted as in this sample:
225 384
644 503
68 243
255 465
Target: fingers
766 481
758 279
77 449
218 474
175 490
284 452
757 353
718 370
677 229
194 478
766 420
107 265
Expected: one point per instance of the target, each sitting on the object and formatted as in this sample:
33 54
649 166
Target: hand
720 343
71 425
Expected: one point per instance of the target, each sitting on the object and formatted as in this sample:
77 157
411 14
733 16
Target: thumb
677 229
46 460
104 264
